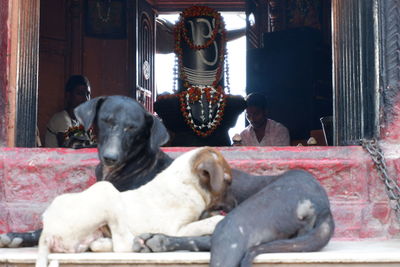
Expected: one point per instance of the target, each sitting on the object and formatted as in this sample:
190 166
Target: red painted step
31 178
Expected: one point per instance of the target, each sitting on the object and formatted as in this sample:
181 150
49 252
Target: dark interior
291 63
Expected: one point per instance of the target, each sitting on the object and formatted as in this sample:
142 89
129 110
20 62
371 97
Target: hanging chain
391 186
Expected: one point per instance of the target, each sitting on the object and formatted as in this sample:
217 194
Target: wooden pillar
258 10
276 19
388 15
145 41
27 73
354 75
5 101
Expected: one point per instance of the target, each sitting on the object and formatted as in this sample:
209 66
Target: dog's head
215 176
124 129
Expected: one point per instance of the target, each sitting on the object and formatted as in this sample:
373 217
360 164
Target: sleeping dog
196 182
284 213
129 140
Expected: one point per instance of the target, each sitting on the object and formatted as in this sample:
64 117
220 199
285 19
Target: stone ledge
336 253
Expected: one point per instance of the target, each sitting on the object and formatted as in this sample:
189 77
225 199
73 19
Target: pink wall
390 120
4 41
31 178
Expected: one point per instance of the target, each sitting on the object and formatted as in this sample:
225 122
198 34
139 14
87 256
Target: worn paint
390 126
31 178
4 41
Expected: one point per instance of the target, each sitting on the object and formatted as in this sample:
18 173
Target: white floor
337 253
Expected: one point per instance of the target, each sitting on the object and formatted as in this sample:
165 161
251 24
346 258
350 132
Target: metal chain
391 186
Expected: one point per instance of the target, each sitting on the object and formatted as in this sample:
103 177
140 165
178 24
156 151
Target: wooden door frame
19 72
12 74
23 73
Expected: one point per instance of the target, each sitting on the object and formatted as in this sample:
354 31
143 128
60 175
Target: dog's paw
7 240
139 243
151 243
15 242
4 240
103 244
158 243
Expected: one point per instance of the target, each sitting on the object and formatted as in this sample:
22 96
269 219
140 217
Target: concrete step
336 253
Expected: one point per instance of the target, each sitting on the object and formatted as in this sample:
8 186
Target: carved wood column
388 15
132 45
276 18
354 74
145 89
257 11
269 16
27 73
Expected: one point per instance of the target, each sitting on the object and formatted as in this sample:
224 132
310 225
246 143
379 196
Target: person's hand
237 140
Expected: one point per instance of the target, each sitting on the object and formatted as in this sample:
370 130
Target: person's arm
235 34
56 127
282 136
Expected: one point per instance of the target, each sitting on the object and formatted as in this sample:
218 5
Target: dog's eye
108 121
128 128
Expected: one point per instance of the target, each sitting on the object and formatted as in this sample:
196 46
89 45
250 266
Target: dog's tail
313 240
43 252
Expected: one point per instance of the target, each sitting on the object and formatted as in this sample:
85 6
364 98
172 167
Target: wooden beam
169 6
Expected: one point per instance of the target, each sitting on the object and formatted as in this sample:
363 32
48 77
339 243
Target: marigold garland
214 94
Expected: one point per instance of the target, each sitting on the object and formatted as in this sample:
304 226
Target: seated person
262 131
77 91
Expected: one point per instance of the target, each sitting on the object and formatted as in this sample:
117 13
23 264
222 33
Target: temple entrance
351 121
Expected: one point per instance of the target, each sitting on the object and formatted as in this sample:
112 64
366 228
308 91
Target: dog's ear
86 112
211 175
158 133
213 170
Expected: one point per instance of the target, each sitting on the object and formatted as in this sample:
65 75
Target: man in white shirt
77 91
262 131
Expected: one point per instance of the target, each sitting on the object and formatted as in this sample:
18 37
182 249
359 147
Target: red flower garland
180 29
218 117
195 92
197 11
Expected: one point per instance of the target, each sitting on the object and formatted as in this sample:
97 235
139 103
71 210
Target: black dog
285 213
129 140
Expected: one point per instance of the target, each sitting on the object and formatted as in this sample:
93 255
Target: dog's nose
109 160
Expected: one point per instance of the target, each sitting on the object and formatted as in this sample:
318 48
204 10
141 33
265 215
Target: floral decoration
76 137
214 93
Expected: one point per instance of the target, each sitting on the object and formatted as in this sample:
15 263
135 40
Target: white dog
171 204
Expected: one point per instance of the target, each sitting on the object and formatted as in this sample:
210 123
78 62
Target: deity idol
200 112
